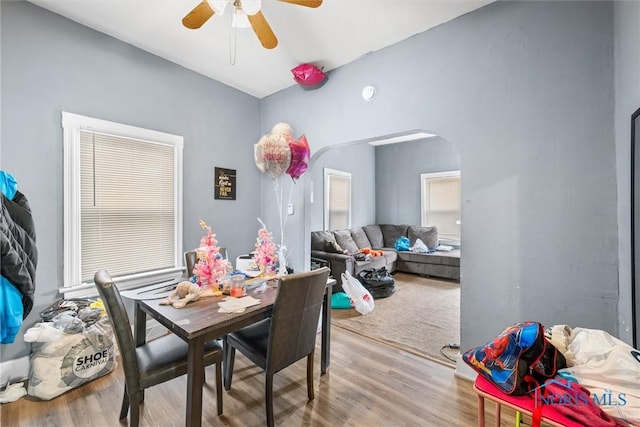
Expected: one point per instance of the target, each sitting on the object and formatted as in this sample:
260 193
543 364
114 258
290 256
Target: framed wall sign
225 184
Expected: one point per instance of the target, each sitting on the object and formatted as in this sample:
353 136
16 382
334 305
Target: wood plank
368 384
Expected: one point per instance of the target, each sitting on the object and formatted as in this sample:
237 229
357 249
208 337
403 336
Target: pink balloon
300 154
309 76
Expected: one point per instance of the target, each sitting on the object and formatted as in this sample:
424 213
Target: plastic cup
237 286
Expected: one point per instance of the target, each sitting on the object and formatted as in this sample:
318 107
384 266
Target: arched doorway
387 180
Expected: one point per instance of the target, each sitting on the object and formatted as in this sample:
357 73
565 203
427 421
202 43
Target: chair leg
310 376
124 409
227 365
134 415
219 387
268 393
481 422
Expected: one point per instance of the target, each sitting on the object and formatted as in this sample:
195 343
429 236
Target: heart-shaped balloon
300 155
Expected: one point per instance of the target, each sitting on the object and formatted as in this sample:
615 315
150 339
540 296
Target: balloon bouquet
277 153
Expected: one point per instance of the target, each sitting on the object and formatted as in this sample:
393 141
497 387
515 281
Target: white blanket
606 366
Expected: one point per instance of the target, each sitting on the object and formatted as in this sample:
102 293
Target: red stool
524 404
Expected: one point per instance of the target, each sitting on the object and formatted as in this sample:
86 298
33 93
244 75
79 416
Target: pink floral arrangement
210 266
265 255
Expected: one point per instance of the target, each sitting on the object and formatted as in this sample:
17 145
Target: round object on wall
368 93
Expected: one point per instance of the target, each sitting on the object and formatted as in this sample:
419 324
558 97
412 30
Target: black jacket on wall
18 244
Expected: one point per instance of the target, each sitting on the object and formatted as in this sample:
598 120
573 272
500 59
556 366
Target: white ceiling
336 33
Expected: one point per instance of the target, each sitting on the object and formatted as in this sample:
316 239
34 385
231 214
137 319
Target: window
122 201
441 204
337 199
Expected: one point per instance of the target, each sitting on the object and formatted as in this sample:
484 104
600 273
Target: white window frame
423 215
328 173
72 124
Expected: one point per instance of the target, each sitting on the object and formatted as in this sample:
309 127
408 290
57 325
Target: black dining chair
154 362
191 257
284 338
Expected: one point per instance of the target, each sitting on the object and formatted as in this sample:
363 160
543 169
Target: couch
337 248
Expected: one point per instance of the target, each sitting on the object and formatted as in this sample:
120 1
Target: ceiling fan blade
198 16
307 3
263 30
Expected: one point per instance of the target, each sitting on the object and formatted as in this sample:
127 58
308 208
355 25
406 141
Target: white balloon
282 129
276 154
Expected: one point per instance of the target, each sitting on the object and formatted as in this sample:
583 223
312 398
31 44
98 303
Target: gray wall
627 100
525 91
51 64
359 159
398 169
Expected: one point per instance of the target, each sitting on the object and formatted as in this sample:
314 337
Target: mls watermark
565 394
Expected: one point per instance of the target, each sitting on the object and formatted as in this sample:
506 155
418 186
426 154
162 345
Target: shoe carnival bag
62 361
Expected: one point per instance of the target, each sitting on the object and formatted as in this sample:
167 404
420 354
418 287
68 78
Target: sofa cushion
441 258
390 257
344 239
428 235
374 234
391 233
318 239
360 237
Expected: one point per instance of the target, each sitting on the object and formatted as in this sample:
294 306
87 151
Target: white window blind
441 203
123 202
127 205
337 199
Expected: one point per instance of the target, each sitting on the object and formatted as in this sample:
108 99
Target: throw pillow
391 233
318 239
360 237
374 235
429 235
333 246
344 239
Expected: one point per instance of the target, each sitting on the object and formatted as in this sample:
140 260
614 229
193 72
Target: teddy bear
185 292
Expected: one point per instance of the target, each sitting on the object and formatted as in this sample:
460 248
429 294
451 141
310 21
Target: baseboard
463 370
15 370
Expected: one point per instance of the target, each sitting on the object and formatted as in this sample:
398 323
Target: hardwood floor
368 384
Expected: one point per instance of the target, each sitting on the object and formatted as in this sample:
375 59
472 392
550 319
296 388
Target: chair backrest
294 321
191 257
121 326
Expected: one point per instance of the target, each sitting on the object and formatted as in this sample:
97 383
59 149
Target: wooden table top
201 317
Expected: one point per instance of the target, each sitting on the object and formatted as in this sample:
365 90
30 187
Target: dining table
201 321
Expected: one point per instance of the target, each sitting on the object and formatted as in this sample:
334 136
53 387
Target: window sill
88 290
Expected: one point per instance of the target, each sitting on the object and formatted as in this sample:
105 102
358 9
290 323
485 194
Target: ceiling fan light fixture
219 5
251 7
240 19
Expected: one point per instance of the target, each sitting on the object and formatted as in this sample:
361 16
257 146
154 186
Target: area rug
422 316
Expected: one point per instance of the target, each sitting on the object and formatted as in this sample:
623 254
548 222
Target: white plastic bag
419 247
361 298
606 366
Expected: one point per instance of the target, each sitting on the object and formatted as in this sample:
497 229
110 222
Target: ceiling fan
245 13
